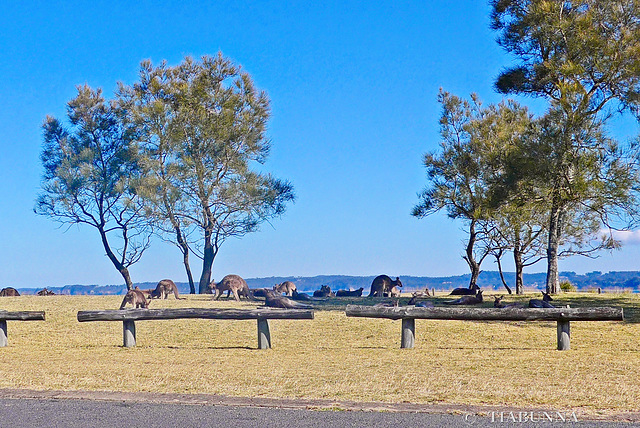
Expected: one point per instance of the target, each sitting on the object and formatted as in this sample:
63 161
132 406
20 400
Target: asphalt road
73 413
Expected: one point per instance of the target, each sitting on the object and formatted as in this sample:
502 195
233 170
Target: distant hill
624 280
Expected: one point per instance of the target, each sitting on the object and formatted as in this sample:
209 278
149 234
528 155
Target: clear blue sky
353 86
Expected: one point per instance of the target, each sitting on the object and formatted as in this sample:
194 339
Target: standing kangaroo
383 284
163 289
136 298
286 287
232 283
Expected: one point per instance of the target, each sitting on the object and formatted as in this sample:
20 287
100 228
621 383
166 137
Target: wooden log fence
563 317
129 316
16 316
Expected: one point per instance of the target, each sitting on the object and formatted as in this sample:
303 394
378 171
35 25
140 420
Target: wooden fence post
408 332
3 333
564 335
128 333
264 336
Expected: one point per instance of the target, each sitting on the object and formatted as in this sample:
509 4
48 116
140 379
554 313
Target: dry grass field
332 356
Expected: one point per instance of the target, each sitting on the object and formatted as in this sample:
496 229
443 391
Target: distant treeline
626 280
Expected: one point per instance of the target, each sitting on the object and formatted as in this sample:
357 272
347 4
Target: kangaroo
325 291
417 295
349 293
498 303
259 292
383 284
9 292
163 289
467 300
465 291
277 301
45 292
286 287
136 298
544 303
300 296
232 283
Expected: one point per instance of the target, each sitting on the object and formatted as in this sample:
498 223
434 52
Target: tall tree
582 56
209 135
90 173
463 174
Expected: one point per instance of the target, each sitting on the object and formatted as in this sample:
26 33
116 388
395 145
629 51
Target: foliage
90 175
567 286
203 127
466 175
583 56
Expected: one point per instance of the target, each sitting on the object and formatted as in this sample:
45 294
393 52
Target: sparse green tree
90 177
464 174
584 57
204 129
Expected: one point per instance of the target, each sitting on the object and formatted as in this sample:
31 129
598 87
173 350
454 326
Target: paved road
72 413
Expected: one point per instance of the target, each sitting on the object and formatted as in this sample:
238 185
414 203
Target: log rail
563 316
16 316
129 316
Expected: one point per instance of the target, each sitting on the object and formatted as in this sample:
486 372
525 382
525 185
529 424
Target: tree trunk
498 257
117 263
469 258
184 248
207 263
517 258
552 248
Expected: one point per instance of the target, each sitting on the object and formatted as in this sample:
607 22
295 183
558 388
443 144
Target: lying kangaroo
136 298
544 303
325 291
300 296
232 283
467 300
349 293
383 284
286 287
45 292
277 301
163 289
9 292
498 303
465 291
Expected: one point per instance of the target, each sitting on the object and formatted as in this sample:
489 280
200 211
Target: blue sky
353 87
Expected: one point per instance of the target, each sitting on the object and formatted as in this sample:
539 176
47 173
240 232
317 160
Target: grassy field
332 356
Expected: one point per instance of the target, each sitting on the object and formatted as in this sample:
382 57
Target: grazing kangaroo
230 283
349 293
286 287
325 291
163 289
9 292
498 303
136 298
465 291
467 300
383 284
544 303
